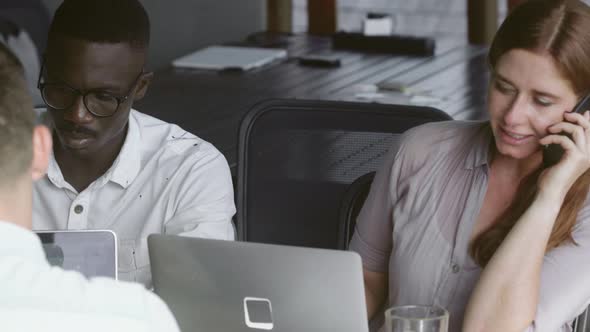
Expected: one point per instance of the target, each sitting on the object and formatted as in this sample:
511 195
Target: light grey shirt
418 219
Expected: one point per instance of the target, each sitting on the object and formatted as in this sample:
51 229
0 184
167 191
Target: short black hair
102 21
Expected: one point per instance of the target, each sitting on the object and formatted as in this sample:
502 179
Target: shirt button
456 268
78 209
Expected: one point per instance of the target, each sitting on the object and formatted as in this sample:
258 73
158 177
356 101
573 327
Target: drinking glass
416 318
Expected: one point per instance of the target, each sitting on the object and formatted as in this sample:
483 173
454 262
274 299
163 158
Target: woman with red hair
467 216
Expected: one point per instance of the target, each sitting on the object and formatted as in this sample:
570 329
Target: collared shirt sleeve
372 238
205 203
565 275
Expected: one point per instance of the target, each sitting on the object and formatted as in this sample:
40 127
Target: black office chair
352 202
297 158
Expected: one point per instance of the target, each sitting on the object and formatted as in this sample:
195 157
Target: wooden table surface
211 104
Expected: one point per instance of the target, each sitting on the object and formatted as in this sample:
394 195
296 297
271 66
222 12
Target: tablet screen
91 253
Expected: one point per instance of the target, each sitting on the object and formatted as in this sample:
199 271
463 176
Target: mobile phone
320 60
552 153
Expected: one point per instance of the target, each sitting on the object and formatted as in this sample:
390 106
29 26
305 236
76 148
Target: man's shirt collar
124 169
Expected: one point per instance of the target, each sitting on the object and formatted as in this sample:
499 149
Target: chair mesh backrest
297 157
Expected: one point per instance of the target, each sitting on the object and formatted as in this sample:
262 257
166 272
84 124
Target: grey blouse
418 219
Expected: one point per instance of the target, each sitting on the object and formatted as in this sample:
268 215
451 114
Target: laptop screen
92 253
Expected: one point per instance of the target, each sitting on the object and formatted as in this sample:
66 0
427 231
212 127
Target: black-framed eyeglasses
60 96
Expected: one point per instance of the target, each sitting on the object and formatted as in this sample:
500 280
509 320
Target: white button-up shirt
165 180
38 297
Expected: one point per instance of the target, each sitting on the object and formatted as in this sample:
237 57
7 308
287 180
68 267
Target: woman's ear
42 147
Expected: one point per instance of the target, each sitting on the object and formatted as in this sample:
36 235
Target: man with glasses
34 295
114 167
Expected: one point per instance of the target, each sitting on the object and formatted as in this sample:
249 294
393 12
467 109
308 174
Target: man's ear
42 147
143 84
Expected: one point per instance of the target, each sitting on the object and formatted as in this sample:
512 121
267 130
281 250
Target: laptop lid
213 285
229 57
90 252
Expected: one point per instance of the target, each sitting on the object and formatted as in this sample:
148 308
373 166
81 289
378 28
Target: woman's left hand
558 179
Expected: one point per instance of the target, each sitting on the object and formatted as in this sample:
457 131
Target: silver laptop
213 285
90 252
